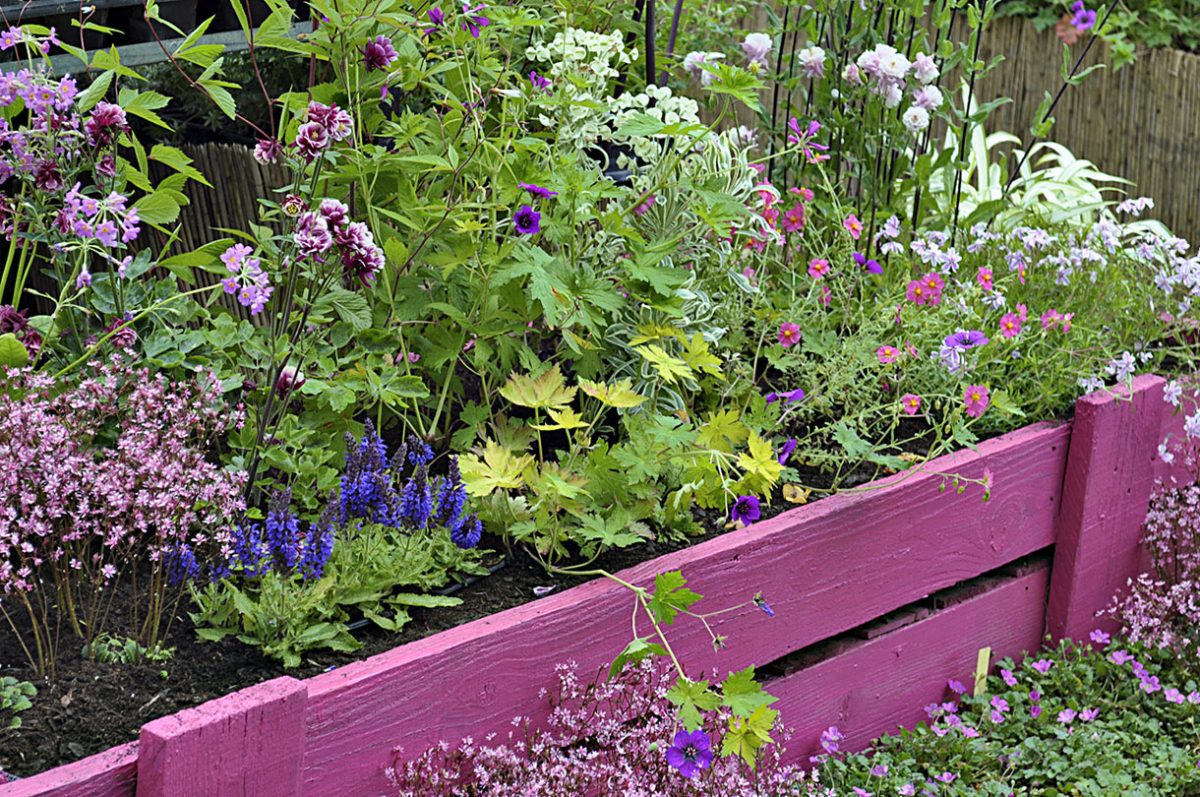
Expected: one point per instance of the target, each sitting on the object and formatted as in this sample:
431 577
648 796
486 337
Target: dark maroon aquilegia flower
527 220
379 53
690 753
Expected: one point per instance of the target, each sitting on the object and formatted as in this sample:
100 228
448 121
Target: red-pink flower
887 354
984 278
910 403
793 220
976 399
916 292
789 334
818 267
853 226
1010 325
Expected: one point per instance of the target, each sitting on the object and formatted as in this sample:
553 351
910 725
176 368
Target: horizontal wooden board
885 683
108 774
825 568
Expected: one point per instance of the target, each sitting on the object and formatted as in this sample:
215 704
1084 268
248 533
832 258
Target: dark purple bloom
473 22
785 451
283 530
539 82
537 190
745 510
965 339
437 16
690 753
527 220
379 53
871 266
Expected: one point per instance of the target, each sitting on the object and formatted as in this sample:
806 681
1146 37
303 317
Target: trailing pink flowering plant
103 481
613 736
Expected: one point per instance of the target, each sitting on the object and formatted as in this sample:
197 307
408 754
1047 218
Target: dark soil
92 707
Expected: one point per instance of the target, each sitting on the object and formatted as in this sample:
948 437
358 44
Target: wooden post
1106 491
247 744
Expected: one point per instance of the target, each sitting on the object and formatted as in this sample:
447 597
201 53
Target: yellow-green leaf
541 392
619 394
500 469
672 369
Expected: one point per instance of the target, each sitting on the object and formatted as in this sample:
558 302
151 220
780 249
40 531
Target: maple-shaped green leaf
613 531
723 431
760 466
619 394
746 735
744 695
692 699
637 650
538 392
566 418
672 369
700 359
500 469
670 597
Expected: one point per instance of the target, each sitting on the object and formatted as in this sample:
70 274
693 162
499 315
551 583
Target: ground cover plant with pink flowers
524 291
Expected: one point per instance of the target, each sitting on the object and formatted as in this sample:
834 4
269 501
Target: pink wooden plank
825 568
247 744
1110 471
108 774
886 683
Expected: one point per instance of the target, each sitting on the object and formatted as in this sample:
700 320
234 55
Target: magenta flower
379 53
537 190
789 334
887 354
853 226
690 753
1100 637
976 400
1008 677
1089 714
911 403
527 220
954 685
818 267
1010 325
803 138
946 777
1041 665
984 278
539 82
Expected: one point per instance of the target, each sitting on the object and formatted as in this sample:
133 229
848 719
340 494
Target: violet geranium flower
527 220
537 190
965 339
745 510
471 21
690 753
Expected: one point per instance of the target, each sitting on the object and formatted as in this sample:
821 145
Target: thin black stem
675 15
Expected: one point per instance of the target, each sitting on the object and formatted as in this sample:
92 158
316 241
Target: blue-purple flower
539 82
785 451
537 190
745 510
527 220
471 21
690 753
965 339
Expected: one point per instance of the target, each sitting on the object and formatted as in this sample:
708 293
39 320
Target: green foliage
1138 742
108 649
15 697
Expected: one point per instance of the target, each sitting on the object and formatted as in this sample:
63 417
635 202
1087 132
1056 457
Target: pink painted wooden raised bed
1067 505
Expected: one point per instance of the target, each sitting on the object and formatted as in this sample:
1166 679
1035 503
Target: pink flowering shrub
1162 607
101 481
608 737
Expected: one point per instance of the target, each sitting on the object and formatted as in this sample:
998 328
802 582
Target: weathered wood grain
825 568
108 774
247 744
885 683
1106 490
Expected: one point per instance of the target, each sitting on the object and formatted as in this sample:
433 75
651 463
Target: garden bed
887 587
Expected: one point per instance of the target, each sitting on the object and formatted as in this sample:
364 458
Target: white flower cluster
886 71
658 102
581 65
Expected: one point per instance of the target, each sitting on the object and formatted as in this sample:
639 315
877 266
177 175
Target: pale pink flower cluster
107 475
602 737
1162 608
